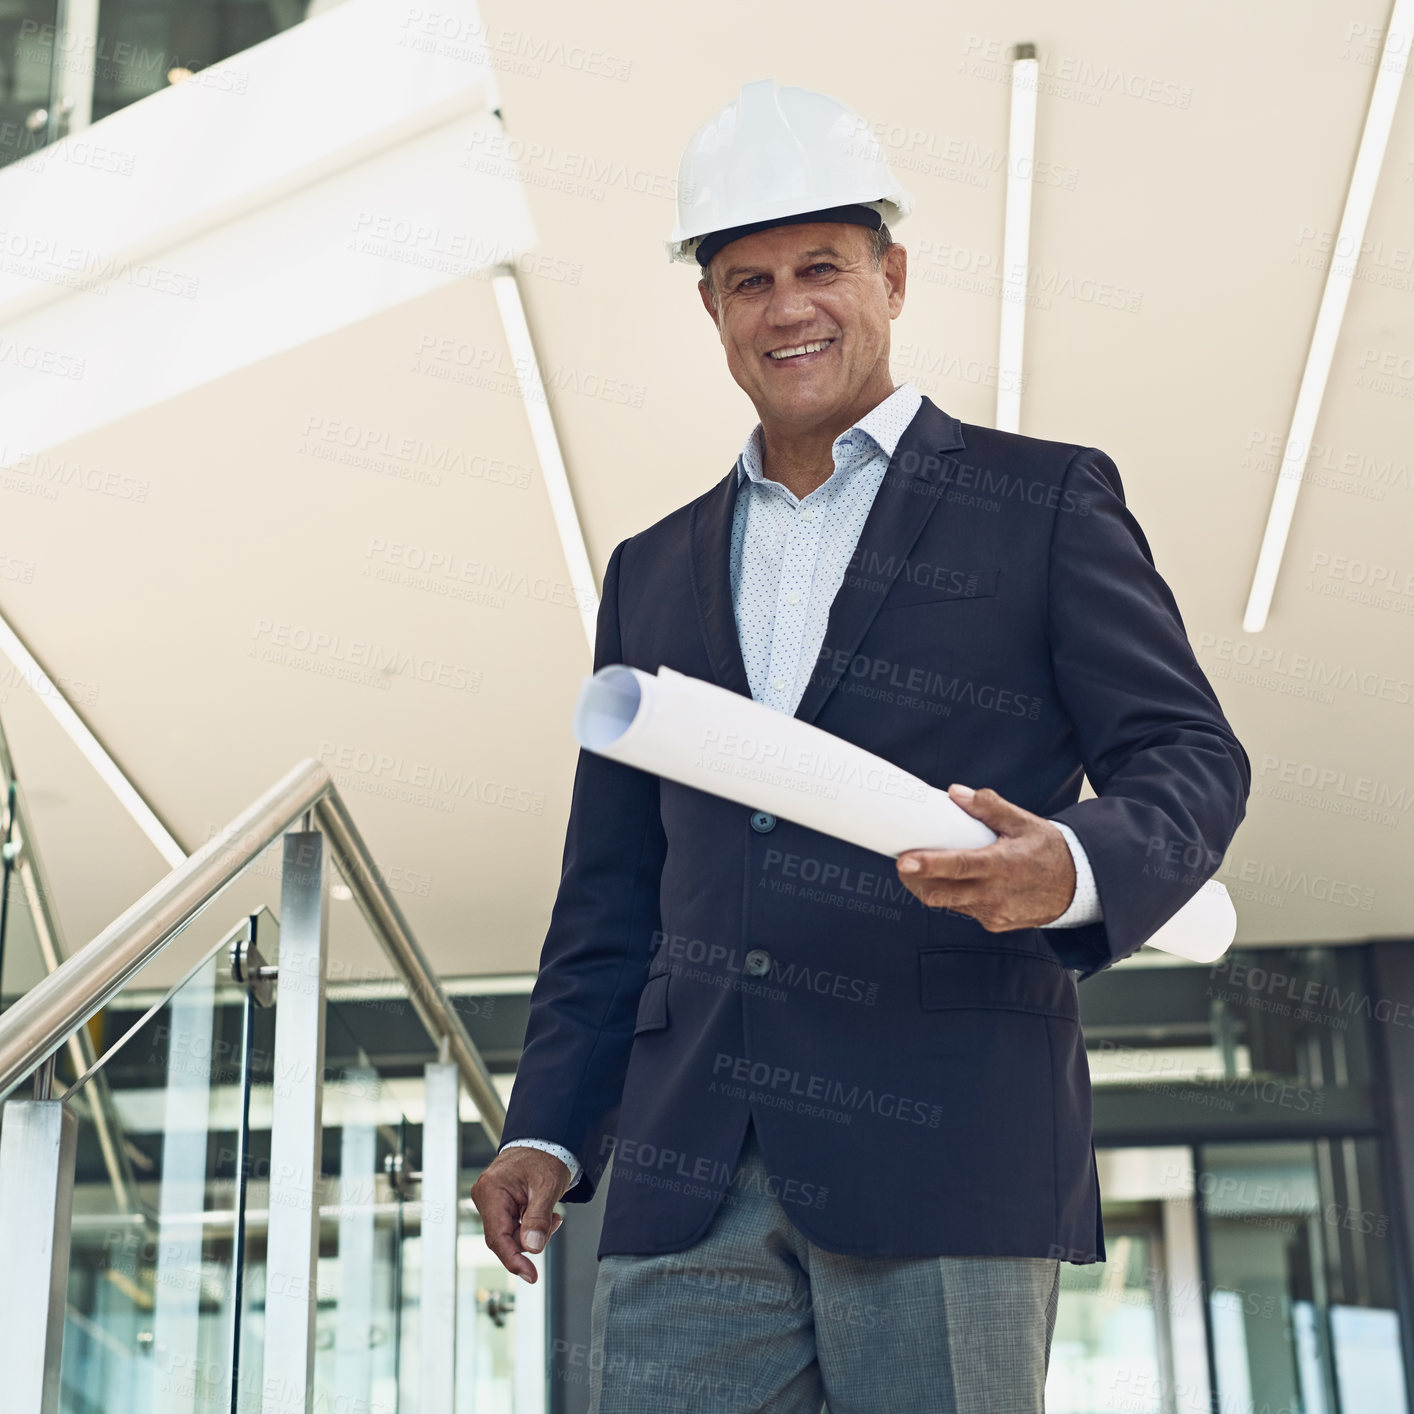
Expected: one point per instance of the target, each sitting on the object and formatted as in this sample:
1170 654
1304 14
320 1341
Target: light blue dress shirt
788 559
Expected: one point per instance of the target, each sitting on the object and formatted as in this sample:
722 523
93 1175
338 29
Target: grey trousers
755 1316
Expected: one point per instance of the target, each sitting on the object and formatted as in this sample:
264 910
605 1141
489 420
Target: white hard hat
778 152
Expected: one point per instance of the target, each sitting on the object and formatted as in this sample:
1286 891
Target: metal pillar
296 1128
353 1339
441 1165
1016 239
37 1146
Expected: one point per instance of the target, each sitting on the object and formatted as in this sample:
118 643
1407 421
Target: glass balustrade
154 1289
271 1157
500 1325
32 946
155 1274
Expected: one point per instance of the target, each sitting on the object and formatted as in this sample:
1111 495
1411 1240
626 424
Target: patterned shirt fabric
789 556
788 560
558 1150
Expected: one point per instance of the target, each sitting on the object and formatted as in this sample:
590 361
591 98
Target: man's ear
707 301
895 270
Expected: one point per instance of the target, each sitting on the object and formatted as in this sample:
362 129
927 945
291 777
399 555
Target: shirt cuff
561 1153
1085 905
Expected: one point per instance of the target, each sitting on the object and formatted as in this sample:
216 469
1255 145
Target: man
847 1099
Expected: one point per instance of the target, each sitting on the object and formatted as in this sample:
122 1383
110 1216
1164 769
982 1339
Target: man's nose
790 303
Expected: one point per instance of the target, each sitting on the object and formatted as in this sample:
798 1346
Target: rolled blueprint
708 737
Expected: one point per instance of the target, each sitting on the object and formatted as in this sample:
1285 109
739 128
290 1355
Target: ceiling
1191 167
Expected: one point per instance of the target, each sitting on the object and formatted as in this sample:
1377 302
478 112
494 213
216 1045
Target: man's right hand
516 1196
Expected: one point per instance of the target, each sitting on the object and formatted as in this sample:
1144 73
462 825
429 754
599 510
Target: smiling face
803 313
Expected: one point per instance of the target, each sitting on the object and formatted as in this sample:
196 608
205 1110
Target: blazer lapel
711 535
900 510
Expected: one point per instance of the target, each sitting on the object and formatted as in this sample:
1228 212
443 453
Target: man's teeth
802 349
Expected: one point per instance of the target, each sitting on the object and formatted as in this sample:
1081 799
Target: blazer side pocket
995 979
653 1005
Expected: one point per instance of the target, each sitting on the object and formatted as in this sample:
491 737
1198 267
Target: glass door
1109 1351
1301 1298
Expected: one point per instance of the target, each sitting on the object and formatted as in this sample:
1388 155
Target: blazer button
758 962
761 822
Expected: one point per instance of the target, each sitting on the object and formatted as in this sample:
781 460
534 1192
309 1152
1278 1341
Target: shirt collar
880 428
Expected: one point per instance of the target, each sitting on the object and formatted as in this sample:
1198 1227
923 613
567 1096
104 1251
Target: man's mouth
799 351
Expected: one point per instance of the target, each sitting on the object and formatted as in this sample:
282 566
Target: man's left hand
1023 879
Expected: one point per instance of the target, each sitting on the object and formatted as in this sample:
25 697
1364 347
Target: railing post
37 1146
296 1130
358 1191
441 1167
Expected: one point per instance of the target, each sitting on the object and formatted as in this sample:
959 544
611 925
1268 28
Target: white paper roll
715 740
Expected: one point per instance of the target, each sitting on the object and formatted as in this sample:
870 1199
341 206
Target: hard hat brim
852 215
889 211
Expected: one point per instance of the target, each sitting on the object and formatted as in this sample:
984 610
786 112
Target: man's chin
808 402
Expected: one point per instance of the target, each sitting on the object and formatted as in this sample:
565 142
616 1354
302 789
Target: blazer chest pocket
932 584
995 979
653 1005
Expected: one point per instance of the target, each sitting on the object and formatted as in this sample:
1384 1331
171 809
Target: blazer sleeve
1171 779
594 961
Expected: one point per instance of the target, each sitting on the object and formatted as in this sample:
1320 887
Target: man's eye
748 282
822 265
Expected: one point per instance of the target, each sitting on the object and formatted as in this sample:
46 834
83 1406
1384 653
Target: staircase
233 1166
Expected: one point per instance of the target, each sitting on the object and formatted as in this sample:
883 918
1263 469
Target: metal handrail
54 1009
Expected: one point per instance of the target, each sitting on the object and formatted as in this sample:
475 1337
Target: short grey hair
879 242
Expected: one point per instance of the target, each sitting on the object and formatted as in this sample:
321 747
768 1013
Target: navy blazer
919 1085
